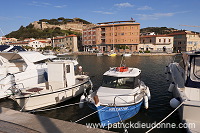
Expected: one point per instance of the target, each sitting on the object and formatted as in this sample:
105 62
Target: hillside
45 28
158 30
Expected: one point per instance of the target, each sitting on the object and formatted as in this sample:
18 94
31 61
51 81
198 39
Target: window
68 68
159 40
121 82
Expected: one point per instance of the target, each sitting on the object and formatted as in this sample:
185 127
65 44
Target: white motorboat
127 54
99 54
185 86
26 68
120 96
63 84
50 54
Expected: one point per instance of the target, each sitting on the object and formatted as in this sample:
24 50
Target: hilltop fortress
72 26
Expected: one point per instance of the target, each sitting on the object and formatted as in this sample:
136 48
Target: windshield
16 48
121 82
3 47
196 66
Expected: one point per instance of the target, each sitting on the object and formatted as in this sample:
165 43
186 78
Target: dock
22 122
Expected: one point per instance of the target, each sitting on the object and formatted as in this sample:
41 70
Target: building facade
186 41
4 40
66 42
34 43
118 36
156 43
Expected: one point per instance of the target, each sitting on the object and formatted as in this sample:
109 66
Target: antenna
2 32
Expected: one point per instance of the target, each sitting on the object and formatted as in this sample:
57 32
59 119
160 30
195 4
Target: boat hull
112 55
111 115
31 102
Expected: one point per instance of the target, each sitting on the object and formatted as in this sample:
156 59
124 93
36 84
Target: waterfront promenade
119 54
12 121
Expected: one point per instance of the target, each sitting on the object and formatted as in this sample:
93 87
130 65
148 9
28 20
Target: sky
149 13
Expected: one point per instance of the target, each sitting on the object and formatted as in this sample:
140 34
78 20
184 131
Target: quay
12 121
119 54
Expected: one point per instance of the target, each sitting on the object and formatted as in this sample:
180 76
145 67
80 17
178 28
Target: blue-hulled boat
121 95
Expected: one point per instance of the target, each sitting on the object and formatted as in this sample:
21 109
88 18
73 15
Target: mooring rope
90 114
125 130
56 107
165 118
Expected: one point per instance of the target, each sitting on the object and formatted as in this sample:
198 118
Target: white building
156 43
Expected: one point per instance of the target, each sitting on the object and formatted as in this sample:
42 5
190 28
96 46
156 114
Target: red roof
72 35
64 37
19 43
178 33
155 36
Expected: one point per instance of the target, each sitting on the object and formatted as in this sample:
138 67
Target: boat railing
15 88
120 97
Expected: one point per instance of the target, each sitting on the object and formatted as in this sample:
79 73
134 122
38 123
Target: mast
113 37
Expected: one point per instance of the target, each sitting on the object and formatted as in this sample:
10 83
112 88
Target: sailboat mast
113 37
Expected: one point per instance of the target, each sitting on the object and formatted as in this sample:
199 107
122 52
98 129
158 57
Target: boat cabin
190 62
11 62
126 79
61 74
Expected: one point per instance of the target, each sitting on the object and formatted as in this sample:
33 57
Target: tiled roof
154 36
64 37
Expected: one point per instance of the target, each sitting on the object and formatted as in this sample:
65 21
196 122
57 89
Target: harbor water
153 76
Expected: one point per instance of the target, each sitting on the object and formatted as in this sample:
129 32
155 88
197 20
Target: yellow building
119 36
186 41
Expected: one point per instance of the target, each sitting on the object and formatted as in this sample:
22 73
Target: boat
23 67
127 54
120 96
63 84
99 54
50 54
9 48
112 54
185 87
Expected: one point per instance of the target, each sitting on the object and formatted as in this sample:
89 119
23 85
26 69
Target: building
66 42
186 41
34 43
156 43
4 40
119 36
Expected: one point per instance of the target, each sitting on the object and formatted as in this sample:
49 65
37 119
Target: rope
90 114
125 130
56 107
165 117
25 103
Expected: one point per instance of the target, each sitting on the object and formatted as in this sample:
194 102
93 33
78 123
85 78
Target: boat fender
45 75
171 87
148 93
174 102
96 99
82 100
90 92
168 76
146 103
166 69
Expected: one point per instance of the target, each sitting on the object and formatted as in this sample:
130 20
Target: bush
146 51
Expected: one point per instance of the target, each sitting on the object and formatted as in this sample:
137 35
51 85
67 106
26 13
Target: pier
18 122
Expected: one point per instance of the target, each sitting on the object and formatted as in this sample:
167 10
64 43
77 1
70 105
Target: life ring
122 69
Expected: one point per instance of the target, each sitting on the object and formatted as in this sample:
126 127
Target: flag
132 18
